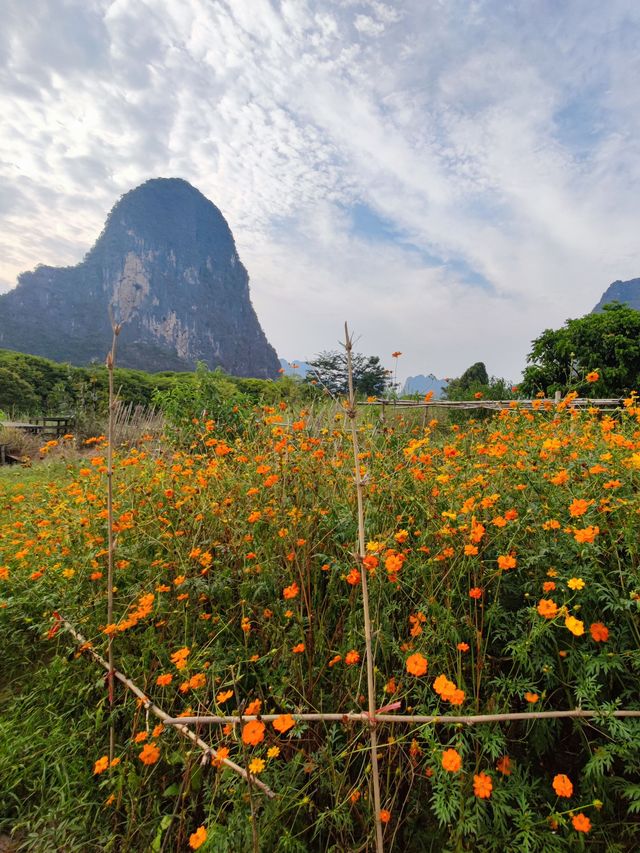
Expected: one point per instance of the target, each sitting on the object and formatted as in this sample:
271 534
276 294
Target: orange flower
219 756
599 632
179 658
253 733
416 664
593 376
164 680
506 561
223 696
298 649
101 764
470 550
451 760
283 723
586 534
475 592
291 591
448 691
463 647
578 507
482 786
141 737
150 753
531 698
562 785
352 657
197 838
547 608
581 822
385 815
253 707
504 765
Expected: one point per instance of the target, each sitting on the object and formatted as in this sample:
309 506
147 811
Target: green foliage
15 393
329 371
476 383
607 342
202 396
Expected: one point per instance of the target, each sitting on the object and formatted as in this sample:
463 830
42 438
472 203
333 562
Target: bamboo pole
495 405
111 359
178 723
411 719
371 688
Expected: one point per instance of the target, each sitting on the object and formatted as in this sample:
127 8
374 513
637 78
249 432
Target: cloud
500 147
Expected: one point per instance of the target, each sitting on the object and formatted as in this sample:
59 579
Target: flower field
503 570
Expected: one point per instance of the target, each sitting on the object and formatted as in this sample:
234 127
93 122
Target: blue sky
450 177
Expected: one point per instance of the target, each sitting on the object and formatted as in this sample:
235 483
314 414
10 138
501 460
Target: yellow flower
273 752
257 765
574 625
575 583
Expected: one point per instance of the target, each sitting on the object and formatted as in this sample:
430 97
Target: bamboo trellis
372 717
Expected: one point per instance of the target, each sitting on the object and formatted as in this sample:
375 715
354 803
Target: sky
449 176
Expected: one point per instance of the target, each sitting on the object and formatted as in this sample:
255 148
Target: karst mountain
167 268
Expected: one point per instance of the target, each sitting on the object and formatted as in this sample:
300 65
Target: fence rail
543 403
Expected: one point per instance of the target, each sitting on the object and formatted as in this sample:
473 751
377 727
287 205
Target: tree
329 369
16 395
476 382
606 343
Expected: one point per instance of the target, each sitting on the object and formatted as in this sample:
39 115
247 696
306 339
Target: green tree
16 395
370 378
607 343
476 382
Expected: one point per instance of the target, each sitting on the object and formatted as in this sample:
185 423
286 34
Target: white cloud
498 145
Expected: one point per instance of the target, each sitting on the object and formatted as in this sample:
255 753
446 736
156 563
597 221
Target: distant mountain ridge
621 291
295 367
422 384
167 265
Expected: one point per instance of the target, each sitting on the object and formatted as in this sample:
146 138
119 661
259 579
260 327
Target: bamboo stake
410 719
371 688
178 723
111 358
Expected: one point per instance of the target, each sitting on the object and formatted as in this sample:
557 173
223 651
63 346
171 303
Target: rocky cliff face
621 291
167 266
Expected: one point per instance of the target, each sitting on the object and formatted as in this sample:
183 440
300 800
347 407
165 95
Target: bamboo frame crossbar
179 725
410 719
544 404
